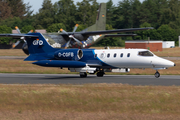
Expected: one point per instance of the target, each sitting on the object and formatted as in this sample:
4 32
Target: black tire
83 75
157 74
100 74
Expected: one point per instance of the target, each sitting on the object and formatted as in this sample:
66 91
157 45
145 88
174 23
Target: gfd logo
37 42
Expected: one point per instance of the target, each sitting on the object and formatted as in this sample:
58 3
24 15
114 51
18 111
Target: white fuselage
132 58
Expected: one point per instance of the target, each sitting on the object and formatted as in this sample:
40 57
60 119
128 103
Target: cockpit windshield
145 53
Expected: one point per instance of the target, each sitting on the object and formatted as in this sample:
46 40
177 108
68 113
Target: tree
45 17
80 27
5 29
65 13
167 33
152 11
56 27
172 16
136 9
110 41
143 35
5 10
154 35
12 22
18 8
86 12
28 10
122 15
109 13
27 29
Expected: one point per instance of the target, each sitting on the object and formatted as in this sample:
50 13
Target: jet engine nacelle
69 54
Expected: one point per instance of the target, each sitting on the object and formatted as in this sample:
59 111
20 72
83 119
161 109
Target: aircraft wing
119 35
108 31
16 35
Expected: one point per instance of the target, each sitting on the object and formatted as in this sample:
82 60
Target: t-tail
38 47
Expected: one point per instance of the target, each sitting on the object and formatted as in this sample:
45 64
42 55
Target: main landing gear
100 74
157 74
83 74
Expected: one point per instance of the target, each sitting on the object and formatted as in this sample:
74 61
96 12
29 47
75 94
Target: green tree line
163 15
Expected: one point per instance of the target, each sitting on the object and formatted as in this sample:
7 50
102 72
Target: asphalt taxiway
164 80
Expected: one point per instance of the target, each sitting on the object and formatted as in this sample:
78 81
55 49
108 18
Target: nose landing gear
157 74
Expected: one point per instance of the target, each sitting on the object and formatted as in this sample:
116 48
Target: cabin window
121 55
128 55
114 54
95 56
108 55
145 53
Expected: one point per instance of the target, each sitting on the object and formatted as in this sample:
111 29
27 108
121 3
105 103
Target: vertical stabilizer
100 20
38 45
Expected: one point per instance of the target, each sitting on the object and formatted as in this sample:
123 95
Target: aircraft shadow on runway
66 77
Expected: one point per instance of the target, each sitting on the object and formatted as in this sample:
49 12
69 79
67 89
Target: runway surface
164 80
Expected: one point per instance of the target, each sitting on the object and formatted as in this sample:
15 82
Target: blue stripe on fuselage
88 57
105 65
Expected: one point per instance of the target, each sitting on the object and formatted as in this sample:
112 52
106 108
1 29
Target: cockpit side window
108 55
145 53
95 56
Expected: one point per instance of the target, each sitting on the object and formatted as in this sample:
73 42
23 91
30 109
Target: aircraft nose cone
163 63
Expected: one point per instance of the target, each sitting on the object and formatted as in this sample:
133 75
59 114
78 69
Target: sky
36 4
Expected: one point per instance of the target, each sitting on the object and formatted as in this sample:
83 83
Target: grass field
89 102
169 52
11 52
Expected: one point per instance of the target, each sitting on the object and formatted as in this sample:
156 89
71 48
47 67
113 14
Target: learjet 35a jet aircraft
90 60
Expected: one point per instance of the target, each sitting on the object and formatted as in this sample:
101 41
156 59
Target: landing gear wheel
83 75
100 74
157 74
